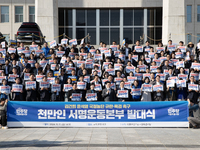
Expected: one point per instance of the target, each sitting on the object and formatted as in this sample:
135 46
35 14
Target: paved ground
99 138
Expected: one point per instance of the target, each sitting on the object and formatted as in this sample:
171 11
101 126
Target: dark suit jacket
155 93
109 97
124 50
166 67
64 79
34 70
136 53
9 69
45 94
126 99
146 47
98 94
70 93
32 95
18 69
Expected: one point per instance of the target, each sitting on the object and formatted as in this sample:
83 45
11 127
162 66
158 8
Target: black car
29 32
2 38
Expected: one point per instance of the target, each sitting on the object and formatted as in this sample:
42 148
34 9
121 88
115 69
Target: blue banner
97 114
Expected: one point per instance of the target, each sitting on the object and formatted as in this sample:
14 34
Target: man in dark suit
36 68
129 58
92 86
134 51
121 87
15 66
166 66
7 68
147 46
17 96
44 92
74 90
126 50
108 94
32 94
158 95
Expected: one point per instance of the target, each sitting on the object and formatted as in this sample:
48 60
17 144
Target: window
198 37
67 31
138 32
150 17
18 13
114 35
65 17
91 17
128 17
104 24
189 13
139 17
189 37
104 35
104 17
92 35
198 13
31 13
4 13
128 35
114 17
80 18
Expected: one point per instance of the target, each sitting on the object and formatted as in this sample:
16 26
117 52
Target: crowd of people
88 73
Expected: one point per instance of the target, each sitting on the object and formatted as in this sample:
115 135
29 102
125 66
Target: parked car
2 38
29 32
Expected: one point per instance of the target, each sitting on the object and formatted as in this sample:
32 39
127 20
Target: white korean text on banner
90 114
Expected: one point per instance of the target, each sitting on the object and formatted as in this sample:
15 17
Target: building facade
105 20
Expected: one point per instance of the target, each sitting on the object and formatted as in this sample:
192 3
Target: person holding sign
192 95
5 90
11 77
74 90
159 90
136 93
31 89
181 92
166 66
44 90
45 49
56 91
171 93
73 76
14 65
126 50
26 70
92 91
82 86
108 94
146 95
67 87
134 49
17 95
124 92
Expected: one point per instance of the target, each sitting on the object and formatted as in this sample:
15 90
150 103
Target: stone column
46 16
173 21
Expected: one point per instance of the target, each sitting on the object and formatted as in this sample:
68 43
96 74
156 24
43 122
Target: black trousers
3 120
